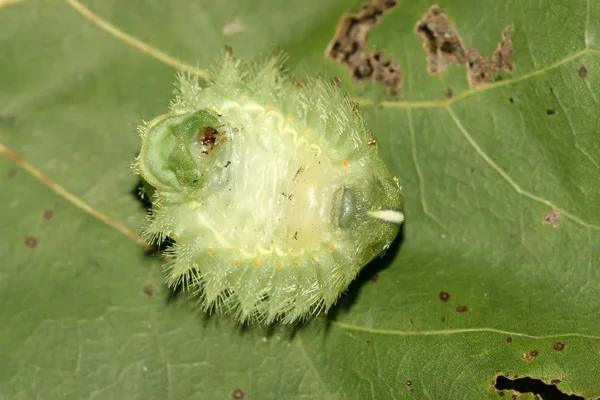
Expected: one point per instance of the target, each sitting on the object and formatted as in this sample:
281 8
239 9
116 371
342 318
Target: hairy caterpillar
271 189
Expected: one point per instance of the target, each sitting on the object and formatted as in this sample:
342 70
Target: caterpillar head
273 193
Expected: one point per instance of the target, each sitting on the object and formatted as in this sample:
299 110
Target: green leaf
85 312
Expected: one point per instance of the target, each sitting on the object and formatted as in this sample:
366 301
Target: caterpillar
271 189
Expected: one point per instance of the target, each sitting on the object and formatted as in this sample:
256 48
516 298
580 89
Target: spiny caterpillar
271 189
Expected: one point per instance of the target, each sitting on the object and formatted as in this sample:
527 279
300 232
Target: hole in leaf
535 386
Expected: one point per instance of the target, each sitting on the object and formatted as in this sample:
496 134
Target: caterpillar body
272 191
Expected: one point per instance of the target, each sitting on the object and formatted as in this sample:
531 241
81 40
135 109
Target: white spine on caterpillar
271 190
391 216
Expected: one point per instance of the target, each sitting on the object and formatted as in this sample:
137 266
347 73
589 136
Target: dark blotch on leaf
48 214
11 173
444 296
443 45
448 93
530 355
148 290
511 100
31 242
409 383
238 394
462 309
349 48
443 319
508 340
552 218
550 112
582 71
375 277
558 346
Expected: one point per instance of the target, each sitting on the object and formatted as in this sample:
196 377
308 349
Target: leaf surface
84 308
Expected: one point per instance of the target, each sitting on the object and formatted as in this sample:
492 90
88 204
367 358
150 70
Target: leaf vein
70 197
420 175
434 332
311 365
508 179
134 42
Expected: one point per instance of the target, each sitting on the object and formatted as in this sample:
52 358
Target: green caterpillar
271 189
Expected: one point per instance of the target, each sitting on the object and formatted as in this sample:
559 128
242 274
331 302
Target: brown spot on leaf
582 71
550 112
412 321
462 309
31 242
530 355
558 346
409 383
148 291
375 277
552 218
555 381
508 340
48 214
443 319
444 45
238 394
440 40
448 93
480 70
12 173
386 72
504 53
348 48
444 296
